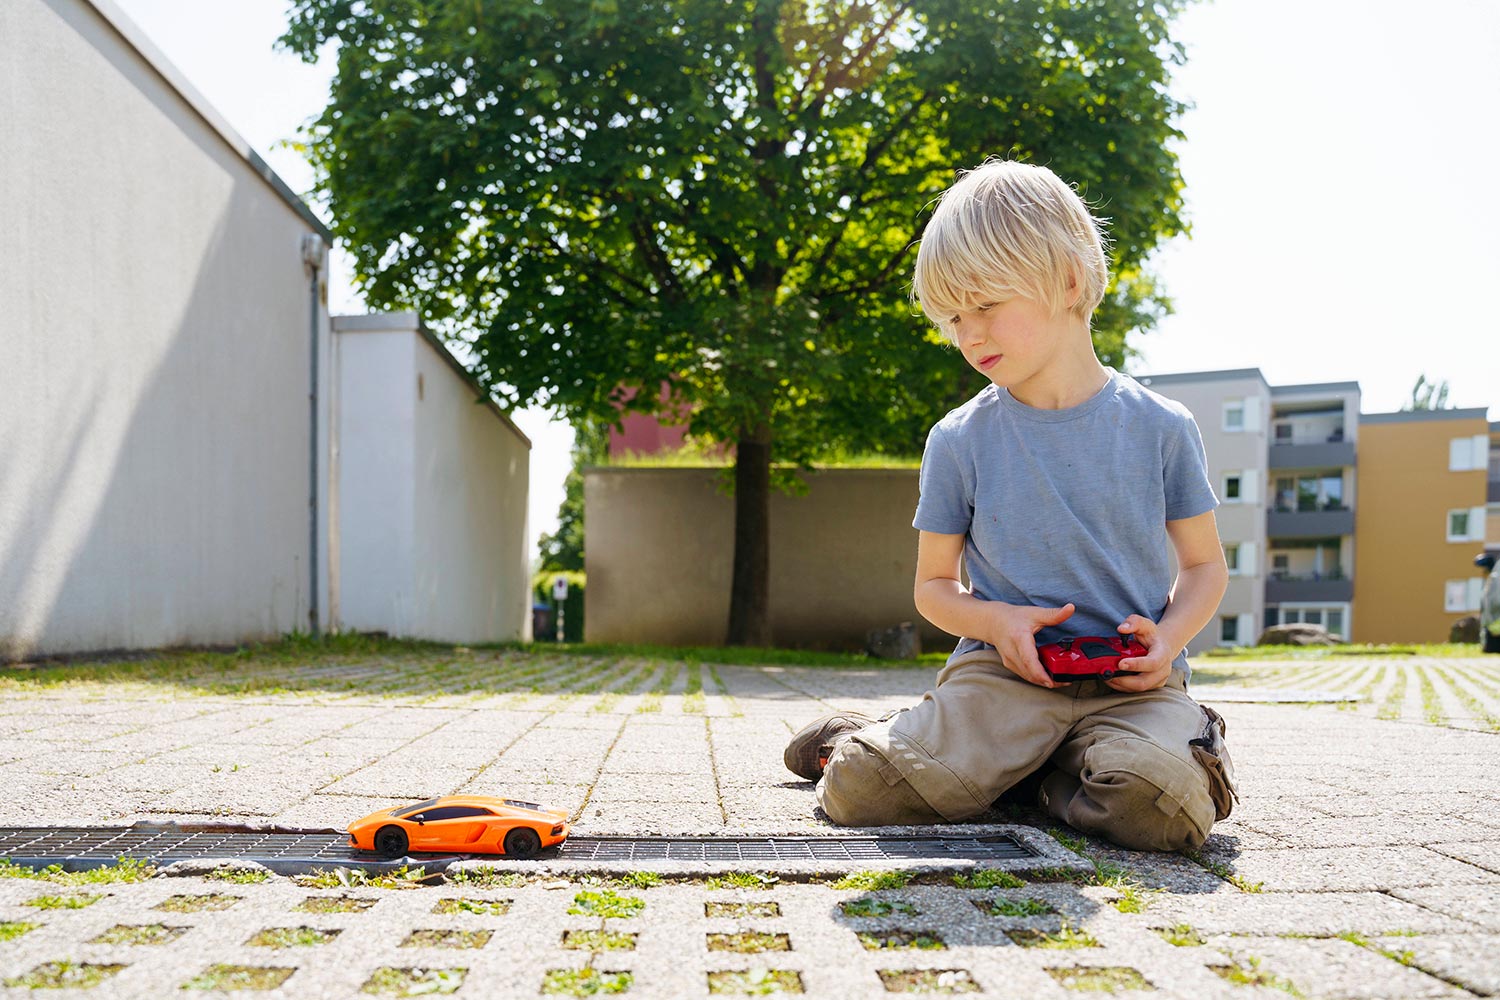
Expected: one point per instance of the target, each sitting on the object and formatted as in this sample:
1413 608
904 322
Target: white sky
1339 161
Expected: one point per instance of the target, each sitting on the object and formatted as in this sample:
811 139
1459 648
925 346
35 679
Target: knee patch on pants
1141 795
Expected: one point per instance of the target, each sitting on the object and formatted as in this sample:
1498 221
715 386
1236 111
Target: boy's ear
1075 287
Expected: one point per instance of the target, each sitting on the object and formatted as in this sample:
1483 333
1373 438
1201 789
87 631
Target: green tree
1427 395
724 195
563 551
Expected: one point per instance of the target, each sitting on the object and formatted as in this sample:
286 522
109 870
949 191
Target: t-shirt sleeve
945 505
1185 473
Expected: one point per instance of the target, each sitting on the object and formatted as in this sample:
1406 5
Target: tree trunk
749 594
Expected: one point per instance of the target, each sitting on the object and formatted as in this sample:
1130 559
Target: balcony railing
1329 454
1331 587
1330 522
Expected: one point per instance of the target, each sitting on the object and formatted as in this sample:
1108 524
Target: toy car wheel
522 843
390 842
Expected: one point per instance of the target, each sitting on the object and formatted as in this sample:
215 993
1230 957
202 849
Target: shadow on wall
156 453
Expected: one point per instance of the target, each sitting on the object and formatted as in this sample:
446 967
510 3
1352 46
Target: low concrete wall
660 553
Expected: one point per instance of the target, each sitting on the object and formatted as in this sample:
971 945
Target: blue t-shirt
1060 506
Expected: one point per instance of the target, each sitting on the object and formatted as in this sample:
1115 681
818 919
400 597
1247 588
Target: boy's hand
1015 638
1147 672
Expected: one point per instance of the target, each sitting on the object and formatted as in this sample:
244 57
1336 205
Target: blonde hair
1006 230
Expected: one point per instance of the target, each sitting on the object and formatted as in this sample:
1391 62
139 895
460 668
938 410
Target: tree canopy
724 195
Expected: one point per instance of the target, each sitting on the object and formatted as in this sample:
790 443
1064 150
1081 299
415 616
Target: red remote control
1088 657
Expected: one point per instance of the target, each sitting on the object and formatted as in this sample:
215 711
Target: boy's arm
1202 578
941 598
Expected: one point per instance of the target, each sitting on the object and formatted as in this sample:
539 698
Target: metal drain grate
75 846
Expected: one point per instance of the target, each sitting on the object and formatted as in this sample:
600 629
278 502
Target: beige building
1423 479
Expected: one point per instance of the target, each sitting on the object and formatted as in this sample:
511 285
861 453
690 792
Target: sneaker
807 754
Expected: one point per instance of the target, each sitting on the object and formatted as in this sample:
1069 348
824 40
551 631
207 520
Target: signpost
559 596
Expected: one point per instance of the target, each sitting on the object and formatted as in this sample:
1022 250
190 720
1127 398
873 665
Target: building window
1229 630
1332 617
1232 558
1466 525
1462 596
1309 493
1283 433
1232 489
1234 416
1467 454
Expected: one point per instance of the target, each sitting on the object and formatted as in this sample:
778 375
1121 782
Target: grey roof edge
137 40
1171 378
399 321
1409 416
1315 387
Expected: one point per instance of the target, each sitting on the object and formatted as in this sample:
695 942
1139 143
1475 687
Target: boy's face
1010 342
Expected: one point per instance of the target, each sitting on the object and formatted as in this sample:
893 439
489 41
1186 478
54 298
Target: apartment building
1305 480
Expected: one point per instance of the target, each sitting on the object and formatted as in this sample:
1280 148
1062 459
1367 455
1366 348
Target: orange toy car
461 824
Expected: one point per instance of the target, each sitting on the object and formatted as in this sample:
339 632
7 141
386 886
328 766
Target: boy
1061 488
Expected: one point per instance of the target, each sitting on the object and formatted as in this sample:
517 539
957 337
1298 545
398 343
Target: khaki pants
1146 770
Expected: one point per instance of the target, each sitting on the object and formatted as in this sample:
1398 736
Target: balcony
1312 455
1332 588
1326 523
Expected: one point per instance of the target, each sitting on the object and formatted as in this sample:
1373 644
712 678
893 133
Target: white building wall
432 492
154 355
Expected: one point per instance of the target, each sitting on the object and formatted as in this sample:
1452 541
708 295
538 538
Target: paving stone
1338 970
1328 914
1367 831
1482 853
1479 904
1466 960
1352 869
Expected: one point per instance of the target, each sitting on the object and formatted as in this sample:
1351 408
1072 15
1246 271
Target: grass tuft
873 881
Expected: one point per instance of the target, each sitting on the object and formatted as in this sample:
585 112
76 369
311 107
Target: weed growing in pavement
197 904
629 880
144 934
238 977
741 880
1100 979
724 908
928 981
1391 708
606 903
596 941
482 907
1133 897
868 907
990 878
755 982
585 982
1180 935
1251 974
62 902
897 939
1223 871
437 937
1432 705
65 975
1066 936
335 904
291 937
1013 907
389 981
12 929
1407 958
238 876
404 877
486 878
873 881
123 870
749 942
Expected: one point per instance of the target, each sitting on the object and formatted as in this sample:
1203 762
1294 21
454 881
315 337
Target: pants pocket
1212 754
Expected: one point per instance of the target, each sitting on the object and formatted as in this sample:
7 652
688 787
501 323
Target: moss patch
990 878
749 942
1013 907
239 876
585 982
873 881
390 981
123 870
12 929
197 904
62 902
487 878
292 937
872 907
1180 935
720 908
740 880
239 977
1251 974
436 937
1104 979
140 934
893 940
65 976
928 981
482 907
756 982
598 941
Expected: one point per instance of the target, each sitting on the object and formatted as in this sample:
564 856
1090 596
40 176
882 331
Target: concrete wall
431 498
154 354
1405 492
660 552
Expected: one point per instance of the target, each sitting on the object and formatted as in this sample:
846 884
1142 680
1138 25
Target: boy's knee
1142 796
859 788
